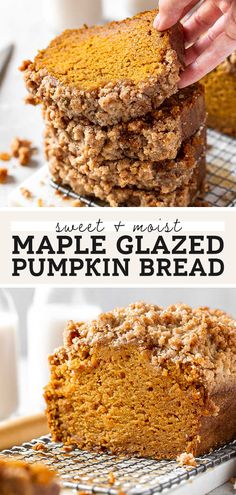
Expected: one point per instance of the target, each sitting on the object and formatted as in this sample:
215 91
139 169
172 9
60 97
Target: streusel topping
201 337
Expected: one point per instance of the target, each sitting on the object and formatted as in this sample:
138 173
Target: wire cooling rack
221 166
221 176
110 475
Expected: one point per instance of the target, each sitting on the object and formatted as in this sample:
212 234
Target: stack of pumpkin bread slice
117 128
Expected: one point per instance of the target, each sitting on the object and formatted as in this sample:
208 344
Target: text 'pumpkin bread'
146 381
109 73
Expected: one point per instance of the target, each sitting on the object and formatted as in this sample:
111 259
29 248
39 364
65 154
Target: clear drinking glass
47 317
126 8
71 14
8 356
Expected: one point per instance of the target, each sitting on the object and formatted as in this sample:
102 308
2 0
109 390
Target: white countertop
21 23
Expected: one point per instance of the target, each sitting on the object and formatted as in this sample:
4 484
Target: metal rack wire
221 177
221 165
108 474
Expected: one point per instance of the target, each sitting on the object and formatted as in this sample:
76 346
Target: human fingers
195 50
220 48
226 24
230 24
170 12
201 20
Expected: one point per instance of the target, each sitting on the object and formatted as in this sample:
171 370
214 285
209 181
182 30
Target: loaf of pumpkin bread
146 381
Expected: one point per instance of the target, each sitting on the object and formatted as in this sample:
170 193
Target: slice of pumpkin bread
146 381
109 73
129 196
156 136
165 176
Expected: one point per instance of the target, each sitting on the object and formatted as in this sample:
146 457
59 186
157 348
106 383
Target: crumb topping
187 460
203 338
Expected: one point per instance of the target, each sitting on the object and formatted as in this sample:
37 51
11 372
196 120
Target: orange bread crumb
5 157
3 175
186 460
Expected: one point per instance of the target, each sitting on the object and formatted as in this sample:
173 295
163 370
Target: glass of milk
126 8
47 319
8 356
71 14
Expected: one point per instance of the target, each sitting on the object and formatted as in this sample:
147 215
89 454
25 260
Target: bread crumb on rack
40 447
68 448
186 459
111 478
78 204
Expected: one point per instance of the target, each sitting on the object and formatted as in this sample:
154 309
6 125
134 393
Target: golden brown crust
201 336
